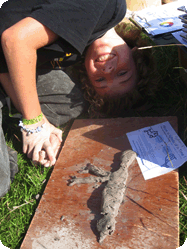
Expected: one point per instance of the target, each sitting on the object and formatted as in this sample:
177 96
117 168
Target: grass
183 206
18 206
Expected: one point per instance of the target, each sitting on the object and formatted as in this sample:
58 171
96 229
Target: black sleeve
77 22
71 19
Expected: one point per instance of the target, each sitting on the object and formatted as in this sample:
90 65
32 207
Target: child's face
110 66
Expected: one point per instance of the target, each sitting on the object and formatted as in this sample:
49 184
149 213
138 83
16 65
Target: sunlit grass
17 207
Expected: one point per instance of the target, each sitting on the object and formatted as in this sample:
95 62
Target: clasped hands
42 147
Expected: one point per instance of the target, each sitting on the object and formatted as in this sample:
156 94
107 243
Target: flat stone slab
66 216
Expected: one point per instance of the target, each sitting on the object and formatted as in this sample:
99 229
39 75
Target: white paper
162 19
159 149
1 2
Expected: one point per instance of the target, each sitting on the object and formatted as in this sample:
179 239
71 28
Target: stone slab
66 216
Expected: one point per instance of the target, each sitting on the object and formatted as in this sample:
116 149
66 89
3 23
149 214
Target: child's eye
100 79
122 73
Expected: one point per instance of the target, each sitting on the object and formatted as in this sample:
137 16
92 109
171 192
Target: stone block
66 216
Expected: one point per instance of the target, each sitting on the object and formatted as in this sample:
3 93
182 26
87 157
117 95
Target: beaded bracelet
33 120
30 131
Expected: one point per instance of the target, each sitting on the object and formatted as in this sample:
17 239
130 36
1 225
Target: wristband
33 120
30 131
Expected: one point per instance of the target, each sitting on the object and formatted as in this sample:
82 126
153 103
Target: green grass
18 206
183 205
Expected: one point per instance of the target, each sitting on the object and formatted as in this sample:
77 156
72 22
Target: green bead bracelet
33 120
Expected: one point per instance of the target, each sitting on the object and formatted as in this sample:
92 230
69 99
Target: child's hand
56 146
47 140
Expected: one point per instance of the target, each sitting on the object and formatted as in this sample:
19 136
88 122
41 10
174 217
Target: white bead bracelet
30 131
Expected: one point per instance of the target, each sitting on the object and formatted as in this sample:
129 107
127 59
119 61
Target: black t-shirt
77 23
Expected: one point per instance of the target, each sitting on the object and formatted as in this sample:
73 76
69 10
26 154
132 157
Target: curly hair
145 89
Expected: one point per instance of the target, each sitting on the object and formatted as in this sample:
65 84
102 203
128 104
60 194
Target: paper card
159 149
161 19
